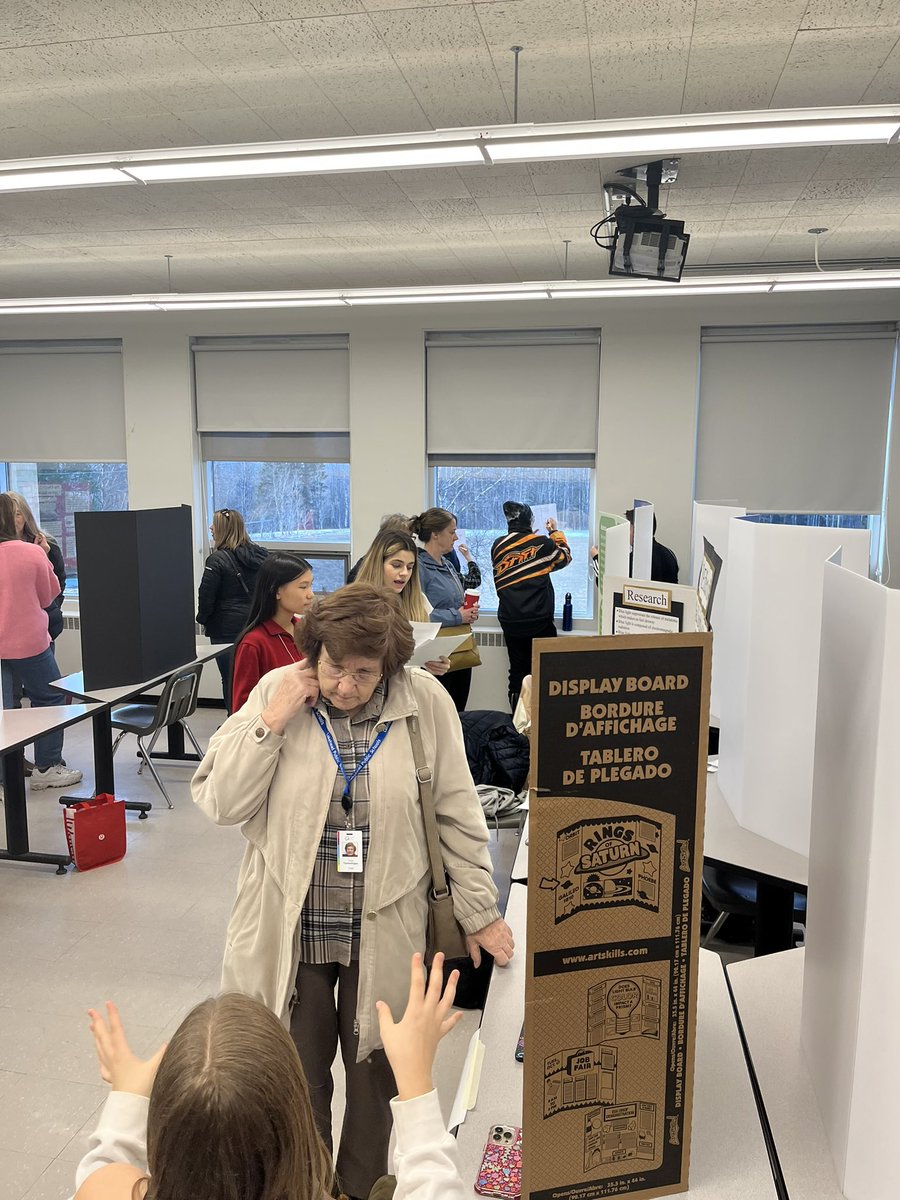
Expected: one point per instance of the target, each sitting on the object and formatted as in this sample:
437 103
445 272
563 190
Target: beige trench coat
279 788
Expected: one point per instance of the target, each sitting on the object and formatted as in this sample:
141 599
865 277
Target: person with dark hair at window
226 589
27 588
523 562
283 593
322 755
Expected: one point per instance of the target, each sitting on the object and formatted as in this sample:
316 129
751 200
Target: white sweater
424 1160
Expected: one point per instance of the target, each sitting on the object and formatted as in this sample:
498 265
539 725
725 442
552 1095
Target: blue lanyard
346 801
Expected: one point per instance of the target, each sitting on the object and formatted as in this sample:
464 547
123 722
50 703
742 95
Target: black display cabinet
136 593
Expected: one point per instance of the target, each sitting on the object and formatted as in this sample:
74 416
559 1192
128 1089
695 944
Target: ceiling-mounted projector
642 242
647 245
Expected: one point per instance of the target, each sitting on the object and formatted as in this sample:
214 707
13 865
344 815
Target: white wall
648 391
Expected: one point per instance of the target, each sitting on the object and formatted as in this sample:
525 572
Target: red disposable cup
471 598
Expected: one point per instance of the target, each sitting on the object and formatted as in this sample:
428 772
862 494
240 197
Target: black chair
729 892
177 701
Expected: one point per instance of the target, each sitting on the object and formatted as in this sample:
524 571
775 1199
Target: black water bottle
567 613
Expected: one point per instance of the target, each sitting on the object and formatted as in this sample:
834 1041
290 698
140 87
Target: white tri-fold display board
851 992
767 666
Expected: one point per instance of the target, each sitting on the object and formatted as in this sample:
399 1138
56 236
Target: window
301 502
58 490
293 491
273 419
870 521
475 493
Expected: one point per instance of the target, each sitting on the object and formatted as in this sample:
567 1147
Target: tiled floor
146 932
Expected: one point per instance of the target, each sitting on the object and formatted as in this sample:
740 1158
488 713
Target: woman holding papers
319 759
444 586
391 562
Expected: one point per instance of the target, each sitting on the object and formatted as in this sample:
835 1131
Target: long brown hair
7 518
371 570
228 529
230 1115
31 531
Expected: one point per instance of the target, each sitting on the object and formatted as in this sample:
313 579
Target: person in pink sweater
27 587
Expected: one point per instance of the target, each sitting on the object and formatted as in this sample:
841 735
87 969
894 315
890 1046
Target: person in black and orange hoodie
523 562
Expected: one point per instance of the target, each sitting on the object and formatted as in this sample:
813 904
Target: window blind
284 447
795 419
62 401
272 385
522 392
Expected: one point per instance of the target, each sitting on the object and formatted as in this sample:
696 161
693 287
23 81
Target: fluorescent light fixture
595 144
642 291
836 282
32 181
310 164
556 290
435 297
474 146
214 305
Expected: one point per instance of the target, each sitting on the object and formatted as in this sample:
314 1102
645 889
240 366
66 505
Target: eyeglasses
364 678
224 512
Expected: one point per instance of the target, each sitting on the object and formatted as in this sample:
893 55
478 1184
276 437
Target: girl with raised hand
224 1109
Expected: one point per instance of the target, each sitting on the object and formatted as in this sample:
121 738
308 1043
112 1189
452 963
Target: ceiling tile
833 66
845 14
348 60
446 62
555 65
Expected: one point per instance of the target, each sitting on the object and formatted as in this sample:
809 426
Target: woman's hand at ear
299 687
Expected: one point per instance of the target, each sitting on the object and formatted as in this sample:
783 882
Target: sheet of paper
543 513
435 647
423 631
467 1091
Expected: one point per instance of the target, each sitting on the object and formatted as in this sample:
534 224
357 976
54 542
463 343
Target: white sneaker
56 776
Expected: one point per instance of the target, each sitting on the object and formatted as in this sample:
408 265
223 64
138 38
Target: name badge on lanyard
349 841
349 850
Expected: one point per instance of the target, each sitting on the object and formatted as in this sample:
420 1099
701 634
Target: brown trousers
320 1021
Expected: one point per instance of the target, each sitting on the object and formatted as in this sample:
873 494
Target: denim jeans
36 674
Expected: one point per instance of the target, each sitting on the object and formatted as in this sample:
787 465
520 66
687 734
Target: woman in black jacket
226 589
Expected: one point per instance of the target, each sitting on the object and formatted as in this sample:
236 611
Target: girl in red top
283 592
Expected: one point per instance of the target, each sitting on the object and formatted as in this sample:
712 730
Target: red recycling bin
95 831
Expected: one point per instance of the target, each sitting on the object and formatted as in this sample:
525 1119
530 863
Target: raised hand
410 1043
551 525
463 549
496 938
299 686
119 1066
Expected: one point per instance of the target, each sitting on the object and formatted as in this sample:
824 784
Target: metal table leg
16 816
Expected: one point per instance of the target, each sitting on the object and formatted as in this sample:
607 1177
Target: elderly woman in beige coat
318 768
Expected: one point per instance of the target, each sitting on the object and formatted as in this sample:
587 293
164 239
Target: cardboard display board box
615 871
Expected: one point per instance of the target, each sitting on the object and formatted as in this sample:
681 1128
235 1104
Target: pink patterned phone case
500 1173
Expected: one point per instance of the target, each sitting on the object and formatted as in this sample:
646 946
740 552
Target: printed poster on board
619 743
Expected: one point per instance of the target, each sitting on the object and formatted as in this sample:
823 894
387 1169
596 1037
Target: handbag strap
426 799
232 558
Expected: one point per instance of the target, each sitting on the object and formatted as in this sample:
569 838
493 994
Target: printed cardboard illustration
619 745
